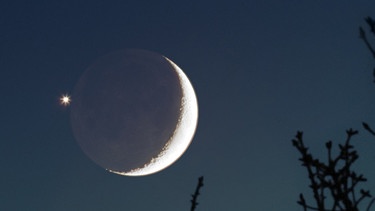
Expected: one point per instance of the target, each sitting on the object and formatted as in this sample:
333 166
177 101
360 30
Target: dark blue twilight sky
261 70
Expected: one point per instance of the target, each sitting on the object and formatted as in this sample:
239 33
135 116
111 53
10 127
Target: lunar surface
134 112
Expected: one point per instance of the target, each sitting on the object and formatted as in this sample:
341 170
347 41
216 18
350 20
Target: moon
135 112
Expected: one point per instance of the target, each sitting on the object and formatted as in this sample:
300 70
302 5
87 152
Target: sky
261 70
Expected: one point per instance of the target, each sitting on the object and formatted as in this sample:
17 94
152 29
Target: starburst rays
65 100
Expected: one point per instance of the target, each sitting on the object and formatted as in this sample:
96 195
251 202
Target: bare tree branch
194 202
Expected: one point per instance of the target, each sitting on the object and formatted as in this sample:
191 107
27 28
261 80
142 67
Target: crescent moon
134 113
182 136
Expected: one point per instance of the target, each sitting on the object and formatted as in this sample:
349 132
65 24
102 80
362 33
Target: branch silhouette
371 24
333 183
333 178
368 128
194 202
362 35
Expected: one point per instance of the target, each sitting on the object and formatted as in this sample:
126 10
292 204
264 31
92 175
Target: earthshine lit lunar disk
135 112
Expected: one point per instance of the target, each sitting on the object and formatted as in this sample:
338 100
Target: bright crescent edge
182 136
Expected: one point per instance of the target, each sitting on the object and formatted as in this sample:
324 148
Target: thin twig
194 202
364 38
370 204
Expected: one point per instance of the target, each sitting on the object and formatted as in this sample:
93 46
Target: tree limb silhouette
368 128
194 202
362 35
333 178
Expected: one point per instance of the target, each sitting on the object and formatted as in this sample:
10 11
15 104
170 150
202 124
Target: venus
134 113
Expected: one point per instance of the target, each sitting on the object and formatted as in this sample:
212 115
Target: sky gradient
261 70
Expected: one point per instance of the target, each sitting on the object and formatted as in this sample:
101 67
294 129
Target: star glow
65 100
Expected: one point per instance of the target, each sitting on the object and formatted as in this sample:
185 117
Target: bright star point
65 100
